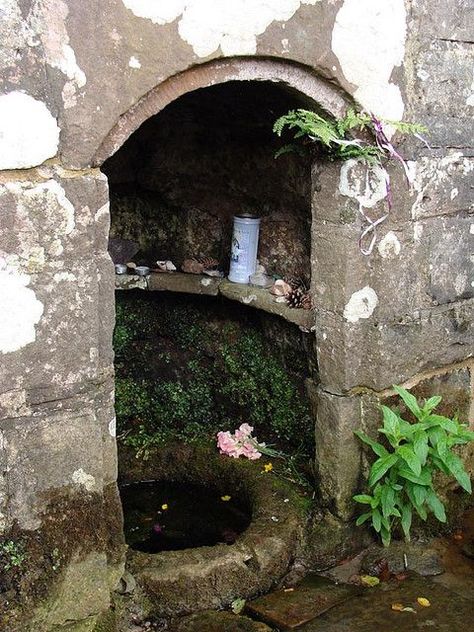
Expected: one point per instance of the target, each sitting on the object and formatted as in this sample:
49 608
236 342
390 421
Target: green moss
187 370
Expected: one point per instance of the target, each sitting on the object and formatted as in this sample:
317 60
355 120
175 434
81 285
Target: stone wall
77 79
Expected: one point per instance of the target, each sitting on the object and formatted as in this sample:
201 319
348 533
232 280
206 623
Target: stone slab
262 299
218 622
420 558
373 612
181 282
289 609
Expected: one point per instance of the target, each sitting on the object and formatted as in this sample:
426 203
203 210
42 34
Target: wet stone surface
420 557
288 609
219 622
372 611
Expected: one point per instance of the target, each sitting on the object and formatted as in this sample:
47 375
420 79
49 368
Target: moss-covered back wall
179 179
187 367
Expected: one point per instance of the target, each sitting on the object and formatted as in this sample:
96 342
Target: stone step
372 611
218 622
289 609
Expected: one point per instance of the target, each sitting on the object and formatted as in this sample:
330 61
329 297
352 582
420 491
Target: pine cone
298 298
208 263
297 283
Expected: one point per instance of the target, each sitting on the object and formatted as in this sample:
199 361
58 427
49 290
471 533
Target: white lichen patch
20 310
361 305
369 40
133 62
48 20
364 183
64 276
460 282
40 206
207 25
29 134
389 246
417 231
80 477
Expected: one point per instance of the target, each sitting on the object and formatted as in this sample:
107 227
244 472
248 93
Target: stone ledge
200 284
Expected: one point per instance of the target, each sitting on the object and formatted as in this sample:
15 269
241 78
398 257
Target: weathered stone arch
303 80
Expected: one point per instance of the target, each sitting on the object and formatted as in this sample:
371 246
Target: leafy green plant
401 479
337 140
334 135
12 554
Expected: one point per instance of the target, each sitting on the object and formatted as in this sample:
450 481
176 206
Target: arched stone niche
321 93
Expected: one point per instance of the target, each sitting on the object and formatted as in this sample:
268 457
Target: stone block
449 243
444 78
395 274
47 453
338 454
63 335
53 218
82 592
379 354
442 185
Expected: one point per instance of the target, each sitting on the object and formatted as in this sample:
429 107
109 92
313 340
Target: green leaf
380 467
387 498
443 422
456 467
363 518
391 421
406 521
363 498
419 494
436 434
436 505
410 401
385 535
423 479
376 520
410 458
420 446
431 403
378 448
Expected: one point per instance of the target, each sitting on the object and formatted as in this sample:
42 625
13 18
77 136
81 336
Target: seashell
280 288
214 273
166 266
131 264
191 266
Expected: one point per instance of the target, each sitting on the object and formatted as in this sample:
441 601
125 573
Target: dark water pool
162 516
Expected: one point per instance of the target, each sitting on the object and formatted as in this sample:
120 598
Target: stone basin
208 577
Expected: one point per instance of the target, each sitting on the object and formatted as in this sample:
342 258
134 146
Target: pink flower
228 445
243 432
250 451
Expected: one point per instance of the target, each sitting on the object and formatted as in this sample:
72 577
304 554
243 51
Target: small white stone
248 299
